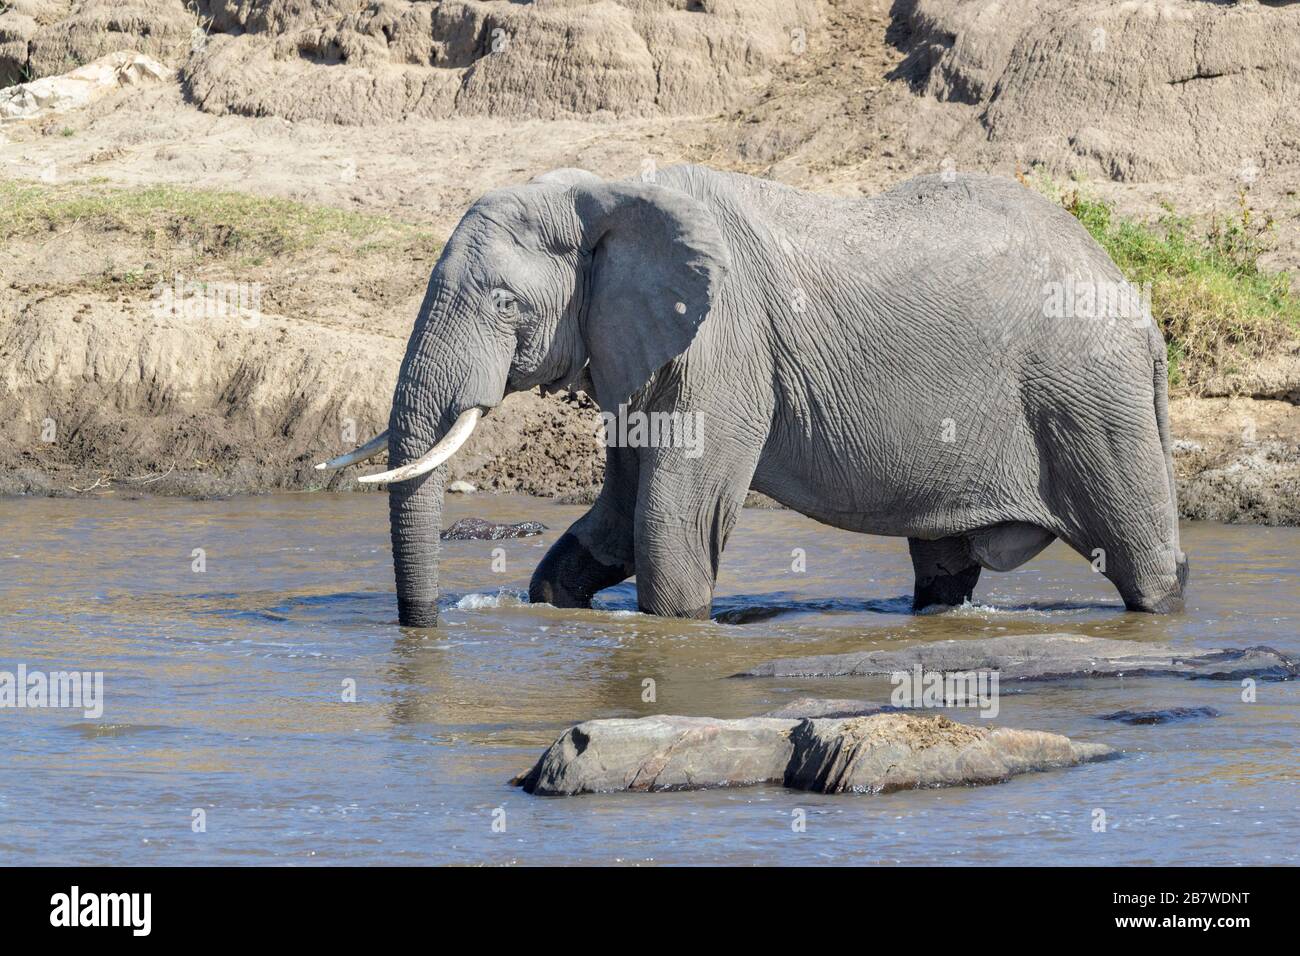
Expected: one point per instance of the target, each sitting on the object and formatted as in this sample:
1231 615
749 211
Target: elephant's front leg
571 573
596 552
683 520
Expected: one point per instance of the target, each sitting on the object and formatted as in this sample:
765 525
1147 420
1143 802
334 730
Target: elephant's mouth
450 443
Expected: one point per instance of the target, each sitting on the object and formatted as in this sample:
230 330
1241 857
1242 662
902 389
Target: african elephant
887 365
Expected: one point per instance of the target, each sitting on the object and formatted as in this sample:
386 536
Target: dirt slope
404 110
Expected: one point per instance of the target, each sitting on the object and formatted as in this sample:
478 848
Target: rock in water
1043 657
887 752
876 753
478 529
662 753
1171 715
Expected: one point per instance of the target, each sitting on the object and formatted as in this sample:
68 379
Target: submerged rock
875 753
1171 715
1043 657
478 529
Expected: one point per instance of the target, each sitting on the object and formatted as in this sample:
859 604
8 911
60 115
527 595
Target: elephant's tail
1160 381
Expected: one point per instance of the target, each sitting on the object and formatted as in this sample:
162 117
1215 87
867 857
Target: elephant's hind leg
1005 547
1145 570
946 571
1149 579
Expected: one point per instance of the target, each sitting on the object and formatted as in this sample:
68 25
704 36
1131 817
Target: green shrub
1218 309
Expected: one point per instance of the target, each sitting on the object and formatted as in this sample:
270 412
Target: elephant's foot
946 572
668 586
1162 597
950 590
570 575
1150 577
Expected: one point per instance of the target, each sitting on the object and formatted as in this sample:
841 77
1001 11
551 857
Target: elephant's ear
657 260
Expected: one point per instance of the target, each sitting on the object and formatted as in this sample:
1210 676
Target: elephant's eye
504 302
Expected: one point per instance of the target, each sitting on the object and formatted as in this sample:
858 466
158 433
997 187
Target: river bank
1236 459
202 298
200 343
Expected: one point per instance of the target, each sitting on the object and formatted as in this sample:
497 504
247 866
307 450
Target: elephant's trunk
426 426
415 516
428 429
415 499
451 373
424 406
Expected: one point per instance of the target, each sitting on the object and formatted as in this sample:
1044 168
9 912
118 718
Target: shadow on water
732 609
273 608
752 608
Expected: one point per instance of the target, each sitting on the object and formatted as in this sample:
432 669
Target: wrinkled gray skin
881 365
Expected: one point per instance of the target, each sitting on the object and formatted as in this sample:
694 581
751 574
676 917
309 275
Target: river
230 632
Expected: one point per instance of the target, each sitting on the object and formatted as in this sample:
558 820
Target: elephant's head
537 285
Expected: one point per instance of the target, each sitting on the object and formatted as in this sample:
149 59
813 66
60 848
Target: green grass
1218 309
213 223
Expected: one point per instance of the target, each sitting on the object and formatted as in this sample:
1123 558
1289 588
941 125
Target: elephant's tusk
369 450
435 456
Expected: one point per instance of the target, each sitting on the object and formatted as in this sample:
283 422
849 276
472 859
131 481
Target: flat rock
480 529
875 753
1170 715
827 707
662 753
887 752
1043 657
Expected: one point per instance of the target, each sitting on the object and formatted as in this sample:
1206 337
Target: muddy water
223 693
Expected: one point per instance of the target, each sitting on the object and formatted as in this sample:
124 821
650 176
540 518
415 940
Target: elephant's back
1013 277
982 277
988 221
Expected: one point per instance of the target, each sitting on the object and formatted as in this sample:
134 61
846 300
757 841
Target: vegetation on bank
1218 309
213 223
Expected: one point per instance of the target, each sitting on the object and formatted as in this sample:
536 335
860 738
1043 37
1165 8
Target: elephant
897 365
